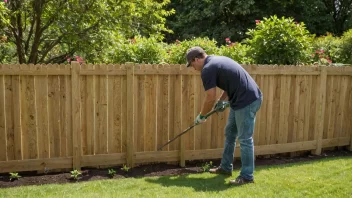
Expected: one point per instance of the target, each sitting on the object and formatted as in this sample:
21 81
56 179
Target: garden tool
217 108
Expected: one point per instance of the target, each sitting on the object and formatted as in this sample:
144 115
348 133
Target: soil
150 170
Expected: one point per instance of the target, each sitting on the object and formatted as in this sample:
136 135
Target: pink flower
257 21
79 59
177 41
227 39
5 1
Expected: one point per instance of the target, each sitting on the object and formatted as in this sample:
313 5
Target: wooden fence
72 116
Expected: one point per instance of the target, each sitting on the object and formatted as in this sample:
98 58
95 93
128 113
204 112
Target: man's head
195 57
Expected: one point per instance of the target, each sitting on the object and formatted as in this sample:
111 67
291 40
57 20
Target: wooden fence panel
88 107
114 111
118 115
9 115
140 106
101 112
175 109
163 109
41 84
54 114
3 134
150 111
28 116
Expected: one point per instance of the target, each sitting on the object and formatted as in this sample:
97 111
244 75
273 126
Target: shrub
326 47
177 51
237 51
279 41
139 50
345 54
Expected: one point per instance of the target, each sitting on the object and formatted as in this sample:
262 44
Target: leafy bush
279 41
326 47
237 51
345 55
139 50
177 51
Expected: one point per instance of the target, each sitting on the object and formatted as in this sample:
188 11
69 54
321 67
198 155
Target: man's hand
200 119
221 105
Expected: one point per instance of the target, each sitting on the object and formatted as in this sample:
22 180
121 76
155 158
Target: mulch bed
150 170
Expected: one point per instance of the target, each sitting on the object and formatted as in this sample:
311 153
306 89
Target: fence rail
73 116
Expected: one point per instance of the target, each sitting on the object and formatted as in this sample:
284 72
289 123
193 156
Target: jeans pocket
255 106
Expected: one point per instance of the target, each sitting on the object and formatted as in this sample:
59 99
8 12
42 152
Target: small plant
207 166
125 168
75 174
111 172
14 176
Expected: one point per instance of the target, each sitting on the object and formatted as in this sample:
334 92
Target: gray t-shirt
228 75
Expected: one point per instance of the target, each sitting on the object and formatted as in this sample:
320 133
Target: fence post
76 132
129 116
320 112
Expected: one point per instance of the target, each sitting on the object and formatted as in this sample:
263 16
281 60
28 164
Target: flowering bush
75 58
177 51
279 41
237 51
326 46
139 50
319 57
345 53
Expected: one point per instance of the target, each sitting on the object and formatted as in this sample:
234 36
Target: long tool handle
185 131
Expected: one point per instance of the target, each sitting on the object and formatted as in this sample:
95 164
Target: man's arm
209 100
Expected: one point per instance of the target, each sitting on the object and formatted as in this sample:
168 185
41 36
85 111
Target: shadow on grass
216 183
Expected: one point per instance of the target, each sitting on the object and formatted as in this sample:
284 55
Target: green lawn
324 178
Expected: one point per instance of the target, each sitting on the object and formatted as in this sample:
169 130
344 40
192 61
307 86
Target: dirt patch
160 169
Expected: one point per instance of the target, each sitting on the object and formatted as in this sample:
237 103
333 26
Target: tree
231 19
209 18
48 31
341 11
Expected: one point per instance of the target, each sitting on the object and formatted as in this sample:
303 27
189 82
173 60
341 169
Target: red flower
257 21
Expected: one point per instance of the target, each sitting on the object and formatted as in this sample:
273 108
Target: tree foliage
48 31
231 19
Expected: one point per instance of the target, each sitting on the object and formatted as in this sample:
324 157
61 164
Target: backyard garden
89 90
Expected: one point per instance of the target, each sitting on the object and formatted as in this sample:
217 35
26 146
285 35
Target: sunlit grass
323 178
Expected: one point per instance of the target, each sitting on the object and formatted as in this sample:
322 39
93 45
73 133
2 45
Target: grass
330 177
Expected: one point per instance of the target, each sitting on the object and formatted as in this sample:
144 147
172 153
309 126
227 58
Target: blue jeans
241 124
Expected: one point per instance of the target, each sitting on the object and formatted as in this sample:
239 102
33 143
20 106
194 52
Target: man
245 99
